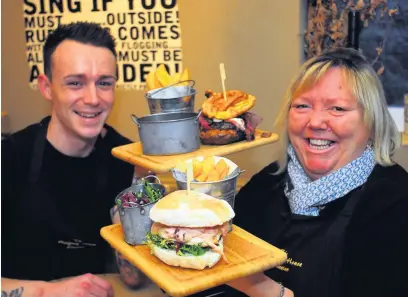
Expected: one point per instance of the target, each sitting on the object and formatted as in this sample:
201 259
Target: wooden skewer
189 175
223 78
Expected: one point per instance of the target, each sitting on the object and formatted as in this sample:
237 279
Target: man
59 179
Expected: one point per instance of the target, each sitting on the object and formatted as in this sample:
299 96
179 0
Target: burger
227 120
188 229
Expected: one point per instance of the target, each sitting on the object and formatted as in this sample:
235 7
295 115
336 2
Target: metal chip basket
173 98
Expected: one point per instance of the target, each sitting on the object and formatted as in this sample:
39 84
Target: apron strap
38 155
38 152
335 241
37 158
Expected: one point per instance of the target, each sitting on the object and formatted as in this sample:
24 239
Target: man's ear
44 84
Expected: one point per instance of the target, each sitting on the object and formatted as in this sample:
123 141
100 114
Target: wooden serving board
246 253
133 153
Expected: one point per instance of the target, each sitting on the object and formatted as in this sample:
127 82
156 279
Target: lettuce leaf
184 249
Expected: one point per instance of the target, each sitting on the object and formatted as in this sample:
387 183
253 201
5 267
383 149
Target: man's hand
83 285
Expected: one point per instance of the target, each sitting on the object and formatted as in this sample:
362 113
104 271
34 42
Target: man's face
82 87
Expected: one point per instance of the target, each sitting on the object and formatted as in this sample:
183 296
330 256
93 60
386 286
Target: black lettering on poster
37 35
172 55
34 72
148 32
34 58
42 21
130 72
52 6
104 4
150 4
141 18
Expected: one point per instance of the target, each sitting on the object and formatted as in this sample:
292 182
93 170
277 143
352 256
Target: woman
335 201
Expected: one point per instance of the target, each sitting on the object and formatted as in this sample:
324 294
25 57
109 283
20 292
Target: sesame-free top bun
193 209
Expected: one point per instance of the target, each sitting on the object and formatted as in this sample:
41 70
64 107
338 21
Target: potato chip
221 165
208 164
197 167
202 177
213 176
163 76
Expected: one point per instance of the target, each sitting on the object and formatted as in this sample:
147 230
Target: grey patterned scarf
307 197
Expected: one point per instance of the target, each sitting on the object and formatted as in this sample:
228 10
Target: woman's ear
44 84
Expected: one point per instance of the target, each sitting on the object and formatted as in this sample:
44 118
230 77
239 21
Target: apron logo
76 244
289 261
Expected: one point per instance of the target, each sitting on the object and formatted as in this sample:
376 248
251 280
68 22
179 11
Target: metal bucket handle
158 179
198 116
149 95
135 119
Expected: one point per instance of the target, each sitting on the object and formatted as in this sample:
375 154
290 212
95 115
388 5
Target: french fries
207 170
160 78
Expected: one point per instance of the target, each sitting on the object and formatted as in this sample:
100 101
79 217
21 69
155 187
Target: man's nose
91 96
318 120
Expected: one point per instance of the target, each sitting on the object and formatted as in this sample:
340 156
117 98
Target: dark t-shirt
357 246
51 230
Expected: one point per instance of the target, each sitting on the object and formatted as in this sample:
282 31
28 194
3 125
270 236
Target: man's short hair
83 32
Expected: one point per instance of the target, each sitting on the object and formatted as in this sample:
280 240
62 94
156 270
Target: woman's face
326 127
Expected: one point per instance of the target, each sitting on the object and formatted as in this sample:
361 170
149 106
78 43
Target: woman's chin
318 168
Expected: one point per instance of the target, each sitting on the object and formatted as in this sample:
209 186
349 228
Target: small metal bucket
169 133
134 218
172 98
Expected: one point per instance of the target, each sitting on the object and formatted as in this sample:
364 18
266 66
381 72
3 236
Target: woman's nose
318 120
91 96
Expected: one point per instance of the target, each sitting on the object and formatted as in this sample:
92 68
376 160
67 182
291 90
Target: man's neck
64 140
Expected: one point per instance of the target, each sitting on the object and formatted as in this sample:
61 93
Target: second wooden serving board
133 153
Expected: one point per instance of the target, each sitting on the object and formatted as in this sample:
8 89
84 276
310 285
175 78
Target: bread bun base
209 259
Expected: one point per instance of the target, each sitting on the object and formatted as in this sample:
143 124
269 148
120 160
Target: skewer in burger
188 229
228 121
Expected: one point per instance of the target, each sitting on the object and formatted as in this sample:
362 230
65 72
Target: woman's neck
66 142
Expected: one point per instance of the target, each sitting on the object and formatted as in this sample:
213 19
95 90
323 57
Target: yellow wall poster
147 33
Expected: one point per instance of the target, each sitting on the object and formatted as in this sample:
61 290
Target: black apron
52 247
315 248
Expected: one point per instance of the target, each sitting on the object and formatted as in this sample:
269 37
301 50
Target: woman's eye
300 106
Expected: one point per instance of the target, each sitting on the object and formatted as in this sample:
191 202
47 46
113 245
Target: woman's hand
83 285
259 285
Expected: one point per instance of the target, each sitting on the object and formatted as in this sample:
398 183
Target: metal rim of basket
138 183
149 95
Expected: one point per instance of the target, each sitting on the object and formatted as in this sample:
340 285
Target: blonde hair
364 84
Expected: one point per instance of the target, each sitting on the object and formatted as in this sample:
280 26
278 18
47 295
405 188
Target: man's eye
337 108
74 83
106 83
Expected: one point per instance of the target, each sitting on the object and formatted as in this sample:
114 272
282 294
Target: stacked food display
188 232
